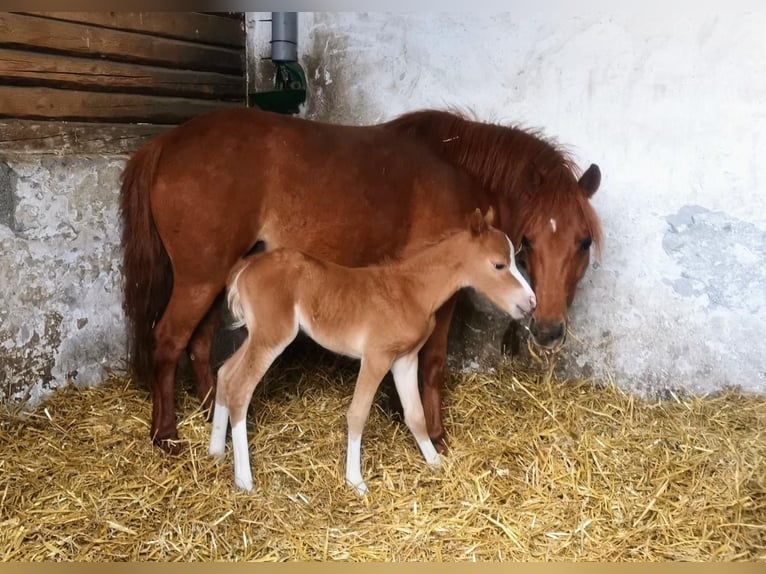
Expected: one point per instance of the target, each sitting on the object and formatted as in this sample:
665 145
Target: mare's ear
489 217
590 180
477 224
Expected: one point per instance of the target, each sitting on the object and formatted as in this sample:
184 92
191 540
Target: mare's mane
535 172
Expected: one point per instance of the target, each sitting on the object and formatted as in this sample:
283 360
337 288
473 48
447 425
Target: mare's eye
585 244
526 243
500 266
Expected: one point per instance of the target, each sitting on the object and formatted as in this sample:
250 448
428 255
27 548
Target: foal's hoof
360 488
172 446
245 484
440 443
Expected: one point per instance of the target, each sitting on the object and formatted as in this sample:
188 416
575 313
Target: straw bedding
539 470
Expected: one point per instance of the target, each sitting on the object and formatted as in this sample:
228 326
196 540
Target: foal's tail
232 298
148 276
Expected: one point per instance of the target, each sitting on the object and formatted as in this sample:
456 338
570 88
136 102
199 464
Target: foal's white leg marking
218 432
553 225
354 464
367 382
405 371
243 477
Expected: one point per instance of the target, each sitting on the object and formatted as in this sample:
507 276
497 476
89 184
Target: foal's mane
533 171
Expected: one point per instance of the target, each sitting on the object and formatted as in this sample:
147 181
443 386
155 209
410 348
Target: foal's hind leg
199 350
239 385
405 371
188 304
226 374
433 358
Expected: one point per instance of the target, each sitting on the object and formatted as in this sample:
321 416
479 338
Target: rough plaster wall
670 102
60 281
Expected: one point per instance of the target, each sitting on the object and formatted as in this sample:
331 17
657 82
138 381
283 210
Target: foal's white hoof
360 487
244 484
217 453
435 462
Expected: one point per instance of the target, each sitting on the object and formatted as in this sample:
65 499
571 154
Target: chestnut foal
381 314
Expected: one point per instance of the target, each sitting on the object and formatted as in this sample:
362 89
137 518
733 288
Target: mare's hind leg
405 371
188 304
199 349
433 358
371 372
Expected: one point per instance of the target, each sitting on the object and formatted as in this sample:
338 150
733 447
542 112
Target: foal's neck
438 270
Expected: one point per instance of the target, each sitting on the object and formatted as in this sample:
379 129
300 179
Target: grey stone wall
60 313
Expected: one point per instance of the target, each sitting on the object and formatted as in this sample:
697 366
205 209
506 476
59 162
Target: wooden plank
50 103
54 137
33 68
190 26
52 35
230 15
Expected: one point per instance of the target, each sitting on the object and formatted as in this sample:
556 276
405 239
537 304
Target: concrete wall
60 281
670 102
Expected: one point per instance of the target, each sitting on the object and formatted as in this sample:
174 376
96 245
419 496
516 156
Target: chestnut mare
198 197
380 314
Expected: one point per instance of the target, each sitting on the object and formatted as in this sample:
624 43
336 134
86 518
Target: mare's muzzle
548 334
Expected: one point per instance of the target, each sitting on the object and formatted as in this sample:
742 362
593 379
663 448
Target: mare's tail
148 276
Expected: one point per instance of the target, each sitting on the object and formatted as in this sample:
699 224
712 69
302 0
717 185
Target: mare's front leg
371 373
199 349
433 358
187 305
405 371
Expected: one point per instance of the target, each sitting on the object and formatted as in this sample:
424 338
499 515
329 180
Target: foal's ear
590 180
477 224
489 217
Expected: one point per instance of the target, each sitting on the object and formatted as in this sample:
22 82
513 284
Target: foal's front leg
405 370
371 372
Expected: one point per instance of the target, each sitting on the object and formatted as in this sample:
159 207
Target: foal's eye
500 266
585 244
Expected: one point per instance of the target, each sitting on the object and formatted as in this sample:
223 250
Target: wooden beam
50 103
44 34
32 136
190 26
34 68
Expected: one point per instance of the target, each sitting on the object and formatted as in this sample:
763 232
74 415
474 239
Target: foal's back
346 310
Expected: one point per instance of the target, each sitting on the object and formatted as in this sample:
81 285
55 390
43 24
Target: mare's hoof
440 443
244 484
172 446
